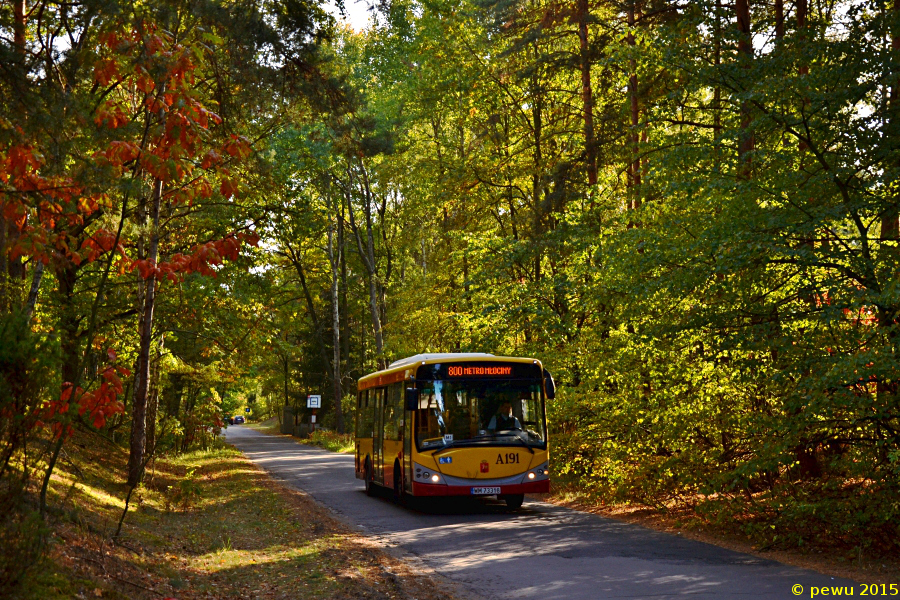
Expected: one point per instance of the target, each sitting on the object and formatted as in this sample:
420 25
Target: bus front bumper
428 489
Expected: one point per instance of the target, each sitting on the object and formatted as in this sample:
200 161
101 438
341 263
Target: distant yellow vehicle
464 424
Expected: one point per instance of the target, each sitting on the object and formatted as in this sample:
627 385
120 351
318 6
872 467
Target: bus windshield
477 411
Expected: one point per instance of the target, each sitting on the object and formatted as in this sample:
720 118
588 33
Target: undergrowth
336 442
203 524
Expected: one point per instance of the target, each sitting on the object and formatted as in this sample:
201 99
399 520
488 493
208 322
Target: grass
205 524
329 440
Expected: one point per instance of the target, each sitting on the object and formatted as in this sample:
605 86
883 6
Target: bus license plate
485 491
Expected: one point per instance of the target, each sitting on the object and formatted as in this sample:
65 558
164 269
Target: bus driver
504 419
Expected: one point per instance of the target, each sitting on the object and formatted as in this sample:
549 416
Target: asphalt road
543 551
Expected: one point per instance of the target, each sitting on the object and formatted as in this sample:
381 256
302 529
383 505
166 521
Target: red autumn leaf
211 159
105 71
237 146
109 39
228 188
251 238
66 392
145 83
145 268
111 116
120 152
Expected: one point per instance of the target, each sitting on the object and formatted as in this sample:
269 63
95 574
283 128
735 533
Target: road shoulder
858 568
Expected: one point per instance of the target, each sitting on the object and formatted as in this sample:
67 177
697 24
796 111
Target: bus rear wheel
514 501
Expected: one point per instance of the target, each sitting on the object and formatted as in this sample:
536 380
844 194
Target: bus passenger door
378 436
408 420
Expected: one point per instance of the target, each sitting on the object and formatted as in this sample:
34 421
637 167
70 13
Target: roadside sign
312 419
246 410
313 401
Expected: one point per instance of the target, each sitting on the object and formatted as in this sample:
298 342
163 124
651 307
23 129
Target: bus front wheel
514 501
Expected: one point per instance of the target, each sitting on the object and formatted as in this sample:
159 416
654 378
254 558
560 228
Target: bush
26 375
185 493
22 539
330 440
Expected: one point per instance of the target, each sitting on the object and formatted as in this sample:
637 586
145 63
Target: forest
687 209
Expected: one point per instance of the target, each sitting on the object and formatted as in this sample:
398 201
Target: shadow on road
456 505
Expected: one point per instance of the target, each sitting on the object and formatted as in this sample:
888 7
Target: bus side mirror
412 398
549 385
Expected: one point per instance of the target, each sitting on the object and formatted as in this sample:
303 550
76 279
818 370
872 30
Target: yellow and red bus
463 424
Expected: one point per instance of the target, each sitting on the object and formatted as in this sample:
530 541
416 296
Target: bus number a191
510 458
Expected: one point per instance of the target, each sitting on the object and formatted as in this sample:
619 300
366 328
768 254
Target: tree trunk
802 10
287 375
367 253
634 165
890 219
537 107
142 370
19 27
31 302
7 229
746 142
153 404
779 21
310 306
70 340
717 91
70 345
802 146
5 299
336 330
344 306
890 223
587 100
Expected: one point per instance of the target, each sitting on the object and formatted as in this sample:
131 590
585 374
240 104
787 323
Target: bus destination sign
470 371
478 370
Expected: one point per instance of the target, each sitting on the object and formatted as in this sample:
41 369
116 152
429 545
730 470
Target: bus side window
392 412
376 402
366 416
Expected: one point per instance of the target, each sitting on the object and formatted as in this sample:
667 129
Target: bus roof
418 358
396 371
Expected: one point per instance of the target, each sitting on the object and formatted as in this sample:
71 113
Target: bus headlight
426 475
538 474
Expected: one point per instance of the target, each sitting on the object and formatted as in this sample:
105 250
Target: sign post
314 402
